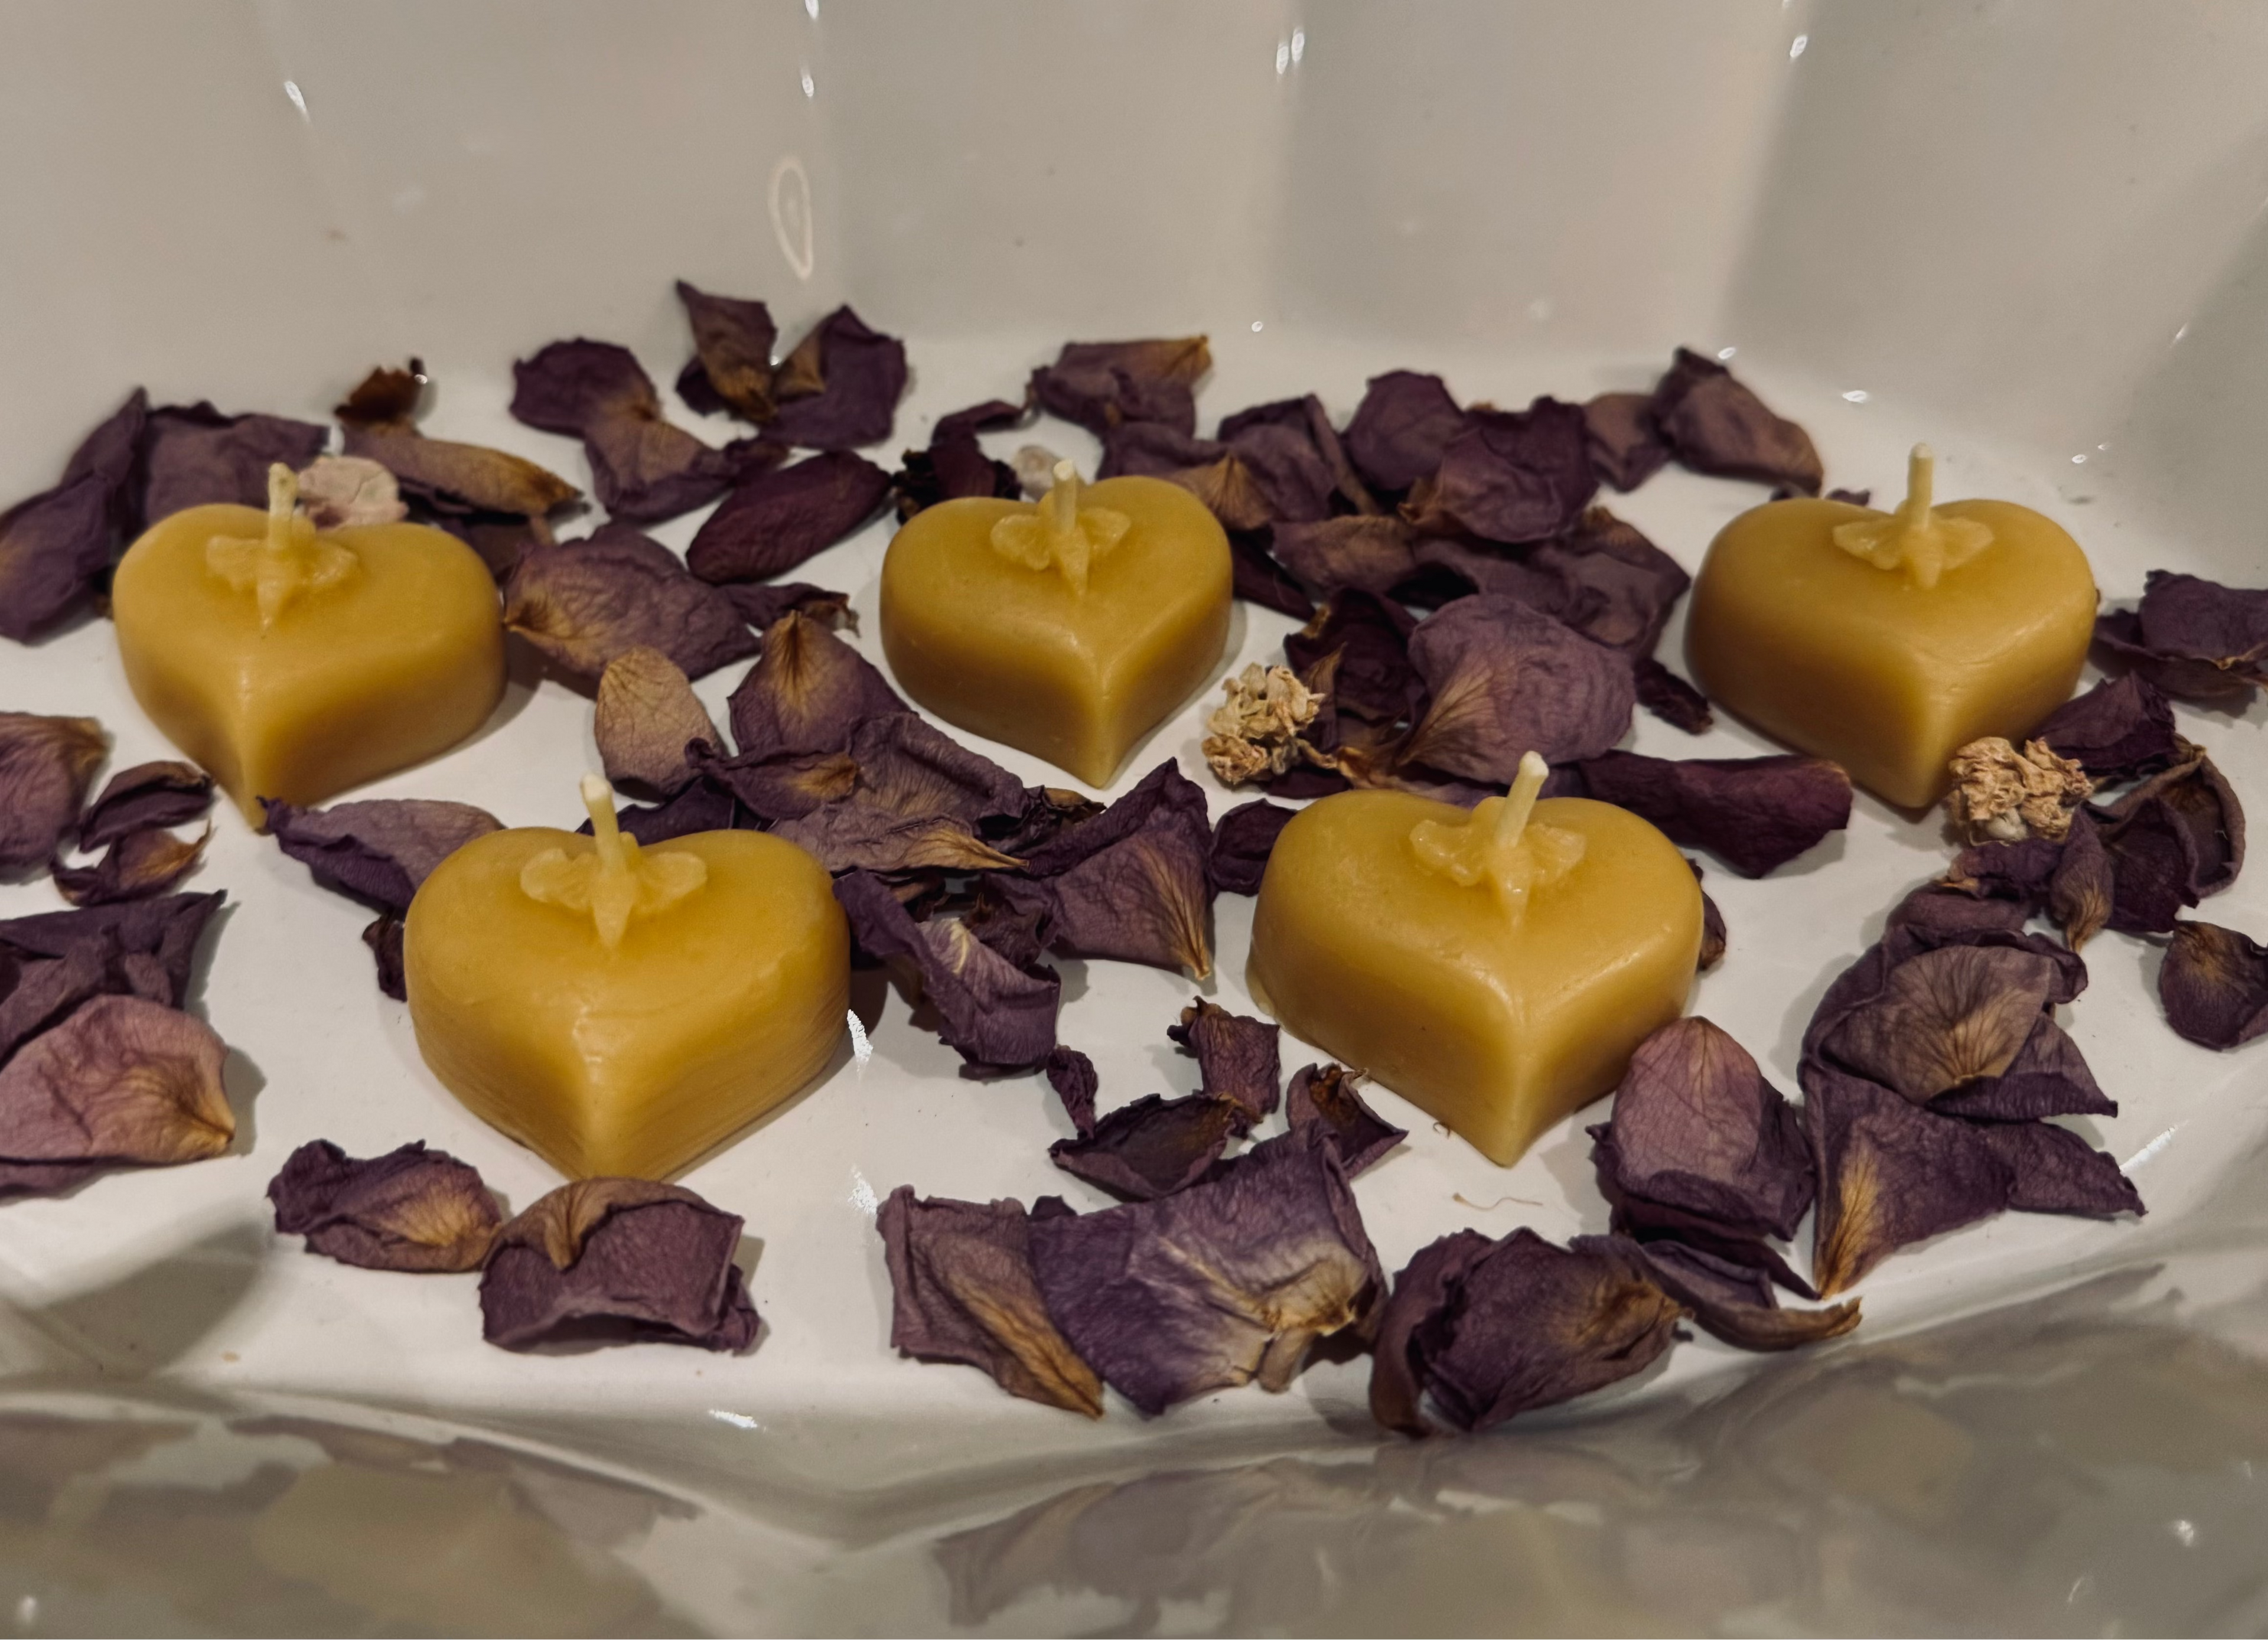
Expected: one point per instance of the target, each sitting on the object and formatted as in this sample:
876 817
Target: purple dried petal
193 455
762 605
1372 678
1404 423
1072 1075
2049 1076
383 935
785 786
1227 1281
1368 553
1359 1135
409 1210
993 1012
2214 985
846 380
122 1081
1153 1147
1699 1138
2058 1172
438 476
2118 636
1754 814
2120 730
1625 446
2174 839
1278 444
2187 616
378 850
1730 1301
1713 424
1632 584
53 544
917 799
1130 884
1013 916
1945 1018
1426 1287
1507 681
733 342
46 766
954 466
585 602
647 717
617 1261
1512 475
142 948
1308 419
2081 893
806 693
1258 578
702 807
1890 1173
1100 385
2008 870
1712 931
772 523
137 865
962 1289
1236 1055
1529 1325
1242 843
144 797
1459 566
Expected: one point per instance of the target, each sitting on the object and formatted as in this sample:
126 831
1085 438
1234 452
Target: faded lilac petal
1228 1281
584 603
1130 883
1625 446
1512 475
962 1289
409 1210
1403 423
137 865
806 693
1242 843
2214 985
2055 1171
1715 424
1945 1017
1236 1055
1507 681
1100 385
2120 730
46 766
647 715
53 544
772 523
1072 1075
1359 1135
144 797
1153 1147
995 1014
1890 1173
378 850
1754 814
122 1081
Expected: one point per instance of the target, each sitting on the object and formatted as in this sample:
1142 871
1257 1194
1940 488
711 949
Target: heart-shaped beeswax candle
1070 628
293 664
1495 969
619 1010
1888 641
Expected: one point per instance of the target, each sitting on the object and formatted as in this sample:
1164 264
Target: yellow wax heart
1888 641
723 991
1497 988
1070 628
294 665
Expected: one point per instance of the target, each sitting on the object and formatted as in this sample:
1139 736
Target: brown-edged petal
782 786
1945 1018
1130 883
1228 1281
1403 423
193 455
140 947
1426 1287
962 1289
917 799
1625 446
1670 698
1370 552
1305 419
2055 1171
1715 424
771 524
1100 385
1754 813
2174 839
2049 1076
1632 584
1730 1301
2214 985
1509 475
409 1210
2120 730
380 421
1890 1173
2194 639
55 544
705 805
122 1081
1236 1055
617 1261
378 850
840 386
1153 1147
762 604
1242 843
1507 680
46 766
137 865
732 364
1072 1075
1373 679
910 767
1698 1140
585 602
806 693
144 797
995 1014
647 715
1360 1135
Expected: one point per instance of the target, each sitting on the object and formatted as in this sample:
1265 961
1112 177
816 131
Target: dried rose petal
2081 893
2195 639
137 865
1627 584
917 799
2049 1076
762 605
1258 578
955 466
383 935
1754 814
193 455
1359 1135
1713 424
2058 1172
46 766
53 544
1291 426
144 797
1729 1301
773 523
1153 1147
1236 1055
617 1261
962 1289
1072 1075
732 366
337 492
1373 679
1670 698
1130 883
702 807
409 1210
1427 1285
380 421
1698 1140
1451 568
585 602
122 1081
1228 1281
1242 843
1367 552
2120 730
1945 1017
1507 681
840 386
1713 931
1512 475
141 947
378 850
1404 423
806 693
995 1014
2174 839
647 715
1625 446
1100 385
2213 984
1890 1173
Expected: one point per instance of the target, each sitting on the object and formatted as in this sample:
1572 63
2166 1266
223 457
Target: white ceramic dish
2027 233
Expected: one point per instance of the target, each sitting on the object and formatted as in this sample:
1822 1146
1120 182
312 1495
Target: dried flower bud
1255 732
2003 796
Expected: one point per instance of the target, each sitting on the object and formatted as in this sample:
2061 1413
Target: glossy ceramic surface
2028 232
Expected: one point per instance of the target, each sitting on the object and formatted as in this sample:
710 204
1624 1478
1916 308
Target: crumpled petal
193 455
2172 841
1507 680
46 766
995 1014
1754 814
617 1261
1072 1075
1370 552
1715 424
917 799
1242 843
409 1210
1730 1301
1154 1147
1401 427
2120 730
773 523
762 605
806 693
144 797
55 544
647 715
2195 639
1130 883
1209 1288
383 935
1945 1017
1372 678
378 850
380 416
1511 475
954 466
1358 1135
137 865
840 386
583 603
1626 448
2214 985
1236 1055
54 960
962 1289
2049 1076
123 1081
1101 385
2055 1171
732 364
1670 698
1618 587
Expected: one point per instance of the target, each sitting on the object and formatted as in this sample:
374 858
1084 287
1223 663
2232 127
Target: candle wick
606 829
1915 539
1512 818
283 504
